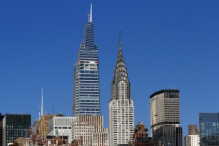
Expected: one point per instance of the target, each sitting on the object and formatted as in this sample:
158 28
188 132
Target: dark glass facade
86 98
1 129
168 135
209 129
15 125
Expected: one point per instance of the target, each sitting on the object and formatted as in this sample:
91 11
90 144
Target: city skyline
176 42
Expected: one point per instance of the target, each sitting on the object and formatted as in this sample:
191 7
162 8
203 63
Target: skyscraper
165 118
209 129
121 106
15 125
86 98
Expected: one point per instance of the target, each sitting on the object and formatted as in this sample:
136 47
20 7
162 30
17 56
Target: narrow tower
121 106
86 96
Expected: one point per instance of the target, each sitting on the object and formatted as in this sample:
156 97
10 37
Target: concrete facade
61 126
44 122
165 117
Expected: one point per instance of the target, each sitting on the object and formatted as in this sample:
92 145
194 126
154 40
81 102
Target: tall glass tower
86 98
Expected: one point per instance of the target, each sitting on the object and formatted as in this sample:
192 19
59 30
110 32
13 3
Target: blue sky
166 44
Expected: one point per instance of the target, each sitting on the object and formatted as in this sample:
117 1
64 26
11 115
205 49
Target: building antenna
41 101
90 15
39 112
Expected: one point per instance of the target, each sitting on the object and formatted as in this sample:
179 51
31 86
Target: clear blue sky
166 44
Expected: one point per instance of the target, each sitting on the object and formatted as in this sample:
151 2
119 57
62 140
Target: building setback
88 130
209 129
86 97
15 125
121 106
165 118
192 139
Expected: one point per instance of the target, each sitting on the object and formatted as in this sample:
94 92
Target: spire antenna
90 15
39 112
41 101
120 38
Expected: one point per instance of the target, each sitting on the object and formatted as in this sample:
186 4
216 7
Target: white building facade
61 126
192 140
121 106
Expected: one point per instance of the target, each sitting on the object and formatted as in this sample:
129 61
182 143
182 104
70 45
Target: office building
165 118
140 136
86 97
44 122
209 129
61 126
121 106
88 130
14 126
192 139
1 129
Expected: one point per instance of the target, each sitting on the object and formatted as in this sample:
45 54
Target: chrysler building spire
121 106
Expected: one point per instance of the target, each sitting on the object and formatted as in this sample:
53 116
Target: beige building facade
44 122
88 130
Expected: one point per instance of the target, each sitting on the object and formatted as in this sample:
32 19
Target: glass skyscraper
14 126
209 129
86 98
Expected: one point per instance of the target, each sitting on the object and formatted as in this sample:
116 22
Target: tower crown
89 32
120 77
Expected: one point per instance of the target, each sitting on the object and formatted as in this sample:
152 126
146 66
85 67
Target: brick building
140 136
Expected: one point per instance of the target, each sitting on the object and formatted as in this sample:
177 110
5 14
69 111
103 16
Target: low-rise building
140 136
61 126
44 121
